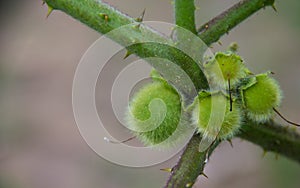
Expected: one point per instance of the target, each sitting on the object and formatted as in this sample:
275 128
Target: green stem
184 11
185 14
190 165
104 18
212 31
273 137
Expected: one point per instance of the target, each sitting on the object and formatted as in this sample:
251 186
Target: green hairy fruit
213 118
260 96
154 112
225 67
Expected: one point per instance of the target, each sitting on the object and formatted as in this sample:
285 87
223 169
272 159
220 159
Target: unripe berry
224 67
260 97
213 117
154 112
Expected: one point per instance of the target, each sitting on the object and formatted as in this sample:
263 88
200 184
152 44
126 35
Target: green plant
224 68
103 18
154 112
203 113
260 97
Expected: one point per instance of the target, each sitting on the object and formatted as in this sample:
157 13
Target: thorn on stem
202 174
50 10
264 153
230 142
128 53
274 7
166 169
141 17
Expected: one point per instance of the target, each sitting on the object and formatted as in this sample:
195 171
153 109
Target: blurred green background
40 145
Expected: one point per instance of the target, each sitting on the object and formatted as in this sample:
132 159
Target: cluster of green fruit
235 95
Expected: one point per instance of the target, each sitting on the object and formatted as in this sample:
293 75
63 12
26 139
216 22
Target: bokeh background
40 145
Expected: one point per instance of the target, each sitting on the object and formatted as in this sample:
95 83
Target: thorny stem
190 165
103 18
273 137
192 162
211 31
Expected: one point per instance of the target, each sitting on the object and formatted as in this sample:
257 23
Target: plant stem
190 165
184 11
192 162
104 18
212 31
185 14
273 137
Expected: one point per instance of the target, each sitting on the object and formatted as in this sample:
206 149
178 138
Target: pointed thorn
172 35
230 142
43 2
274 7
202 174
127 54
141 17
220 43
166 169
264 153
50 10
